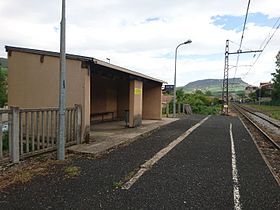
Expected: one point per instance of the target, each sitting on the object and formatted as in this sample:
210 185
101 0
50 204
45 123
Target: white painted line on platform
148 165
236 194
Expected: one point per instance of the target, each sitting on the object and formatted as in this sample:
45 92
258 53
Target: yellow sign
137 91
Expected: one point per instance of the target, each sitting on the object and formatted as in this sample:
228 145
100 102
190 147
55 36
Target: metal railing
28 132
5 135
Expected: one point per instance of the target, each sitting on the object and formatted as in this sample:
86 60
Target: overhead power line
269 34
244 25
242 36
266 43
235 43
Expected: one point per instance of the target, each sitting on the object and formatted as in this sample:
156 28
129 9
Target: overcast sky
142 34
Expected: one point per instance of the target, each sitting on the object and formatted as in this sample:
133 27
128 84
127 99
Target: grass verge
272 111
72 171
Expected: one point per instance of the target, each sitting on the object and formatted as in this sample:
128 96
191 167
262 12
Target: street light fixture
174 91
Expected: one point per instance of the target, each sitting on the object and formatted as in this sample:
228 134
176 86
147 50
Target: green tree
3 87
201 104
180 96
253 96
199 92
208 93
276 79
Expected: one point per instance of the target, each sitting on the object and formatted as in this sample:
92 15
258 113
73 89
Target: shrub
5 140
201 104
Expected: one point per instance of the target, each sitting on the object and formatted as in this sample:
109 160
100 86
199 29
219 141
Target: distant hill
4 62
215 85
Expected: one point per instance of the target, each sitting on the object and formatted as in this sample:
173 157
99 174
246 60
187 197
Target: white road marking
148 165
236 194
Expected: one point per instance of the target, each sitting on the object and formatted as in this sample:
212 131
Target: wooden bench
102 114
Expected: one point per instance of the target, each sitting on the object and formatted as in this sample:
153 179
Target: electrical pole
225 81
226 72
62 90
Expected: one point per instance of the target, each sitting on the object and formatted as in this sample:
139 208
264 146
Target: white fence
27 132
167 109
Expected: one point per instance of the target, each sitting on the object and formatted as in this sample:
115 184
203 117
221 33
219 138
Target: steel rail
277 146
252 112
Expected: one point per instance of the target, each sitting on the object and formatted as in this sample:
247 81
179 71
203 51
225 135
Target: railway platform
197 162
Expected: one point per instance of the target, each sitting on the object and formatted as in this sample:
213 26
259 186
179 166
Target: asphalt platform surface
196 174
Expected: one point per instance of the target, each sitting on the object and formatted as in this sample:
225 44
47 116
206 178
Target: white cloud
118 29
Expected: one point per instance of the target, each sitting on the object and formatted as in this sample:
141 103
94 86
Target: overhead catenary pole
225 93
62 89
225 81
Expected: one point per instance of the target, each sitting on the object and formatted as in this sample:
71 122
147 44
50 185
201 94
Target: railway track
244 112
277 125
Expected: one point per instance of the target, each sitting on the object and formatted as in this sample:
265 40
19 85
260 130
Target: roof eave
82 58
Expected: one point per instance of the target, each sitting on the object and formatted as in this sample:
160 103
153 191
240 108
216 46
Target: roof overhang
83 59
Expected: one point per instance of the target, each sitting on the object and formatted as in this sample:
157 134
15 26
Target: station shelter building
104 91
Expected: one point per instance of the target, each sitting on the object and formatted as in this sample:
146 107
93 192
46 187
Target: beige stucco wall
135 103
86 81
152 101
35 84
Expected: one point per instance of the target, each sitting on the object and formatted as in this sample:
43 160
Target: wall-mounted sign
168 88
137 91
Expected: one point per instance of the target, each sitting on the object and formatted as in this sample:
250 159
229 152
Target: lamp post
174 91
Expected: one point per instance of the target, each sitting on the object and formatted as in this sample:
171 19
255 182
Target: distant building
250 89
166 99
266 85
266 90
